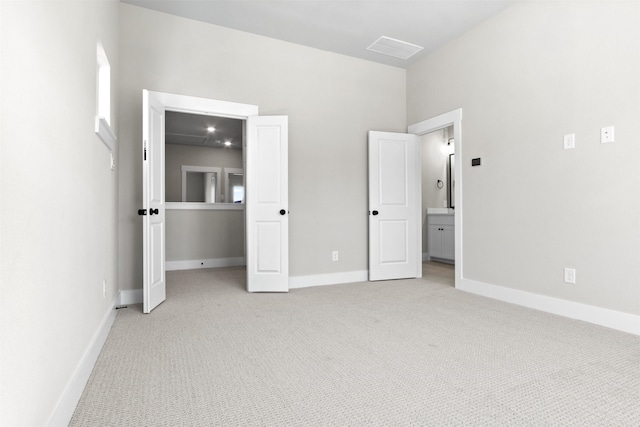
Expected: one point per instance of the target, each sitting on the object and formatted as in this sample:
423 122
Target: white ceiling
344 26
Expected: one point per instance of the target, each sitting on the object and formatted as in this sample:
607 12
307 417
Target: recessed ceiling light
395 48
227 143
211 129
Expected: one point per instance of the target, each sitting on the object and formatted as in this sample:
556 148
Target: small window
104 85
103 94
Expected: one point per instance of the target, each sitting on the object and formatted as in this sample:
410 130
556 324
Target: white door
154 284
394 206
267 204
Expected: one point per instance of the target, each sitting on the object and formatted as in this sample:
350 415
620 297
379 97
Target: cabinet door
435 241
448 242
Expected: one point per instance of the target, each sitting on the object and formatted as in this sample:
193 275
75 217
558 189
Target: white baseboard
131 296
192 264
73 391
296 282
625 322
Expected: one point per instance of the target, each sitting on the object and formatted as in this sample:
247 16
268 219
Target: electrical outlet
570 275
570 141
104 288
334 256
607 135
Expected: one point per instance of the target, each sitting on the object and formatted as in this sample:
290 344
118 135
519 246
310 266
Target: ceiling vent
395 48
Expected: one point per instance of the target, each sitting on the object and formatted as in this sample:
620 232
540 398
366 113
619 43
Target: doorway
204 191
437 215
437 161
453 122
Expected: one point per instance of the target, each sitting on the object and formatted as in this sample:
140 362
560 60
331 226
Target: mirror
234 187
451 181
201 184
203 159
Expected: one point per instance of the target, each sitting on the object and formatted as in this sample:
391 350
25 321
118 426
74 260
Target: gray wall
525 78
204 234
198 234
331 100
59 199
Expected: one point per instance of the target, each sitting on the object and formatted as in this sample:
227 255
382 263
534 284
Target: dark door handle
153 211
375 213
142 211
282 212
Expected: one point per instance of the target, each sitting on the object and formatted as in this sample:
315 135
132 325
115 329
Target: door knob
153 211
142 211
282 212
375 213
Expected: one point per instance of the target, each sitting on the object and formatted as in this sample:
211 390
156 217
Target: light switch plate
570 141
607 135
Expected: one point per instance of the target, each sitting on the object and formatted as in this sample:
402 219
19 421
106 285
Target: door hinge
144 155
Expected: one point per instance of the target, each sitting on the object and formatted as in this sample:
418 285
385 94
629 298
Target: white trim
452 118
296 282
192 264
204 206
105 133
131 296
625 322
212 107
72 393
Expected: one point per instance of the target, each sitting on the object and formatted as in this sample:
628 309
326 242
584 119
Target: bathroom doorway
437 157
450 127
437 215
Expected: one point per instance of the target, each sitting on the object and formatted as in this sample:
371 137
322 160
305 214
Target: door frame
452 118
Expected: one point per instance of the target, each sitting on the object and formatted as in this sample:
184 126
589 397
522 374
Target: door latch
142 212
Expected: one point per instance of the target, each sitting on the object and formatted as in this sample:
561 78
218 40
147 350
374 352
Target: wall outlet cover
570 141
570 275
607 135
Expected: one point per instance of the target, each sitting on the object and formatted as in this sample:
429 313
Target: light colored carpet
404 352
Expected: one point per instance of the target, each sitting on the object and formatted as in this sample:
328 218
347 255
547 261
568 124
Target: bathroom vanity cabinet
441 237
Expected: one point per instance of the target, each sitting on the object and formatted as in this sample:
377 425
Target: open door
153 234
267 204
394 206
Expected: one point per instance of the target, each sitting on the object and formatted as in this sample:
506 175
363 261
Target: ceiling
191 129
347 27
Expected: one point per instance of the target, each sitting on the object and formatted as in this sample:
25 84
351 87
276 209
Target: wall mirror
203 159
201 184
234 185
451 181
